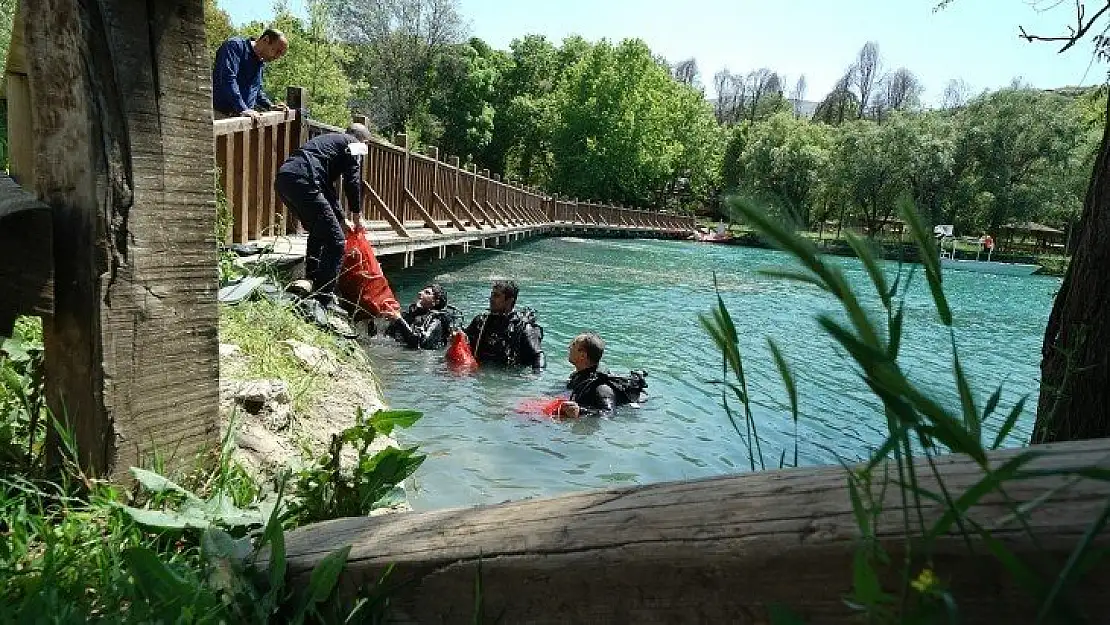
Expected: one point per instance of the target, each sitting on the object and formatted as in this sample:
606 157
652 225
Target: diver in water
505 335
428 321
592 388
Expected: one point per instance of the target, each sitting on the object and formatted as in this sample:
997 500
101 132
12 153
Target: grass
260 328
918 430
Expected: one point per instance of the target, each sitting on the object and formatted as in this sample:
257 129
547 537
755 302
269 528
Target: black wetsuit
589 388
306 184
508 340
421 328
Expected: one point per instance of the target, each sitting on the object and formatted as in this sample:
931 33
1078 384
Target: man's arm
472 332
432 336
352 185
532 350
225 81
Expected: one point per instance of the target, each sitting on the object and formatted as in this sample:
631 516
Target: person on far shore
428 321
505 335
237 75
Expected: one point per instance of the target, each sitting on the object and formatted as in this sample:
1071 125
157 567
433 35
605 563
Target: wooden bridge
412 201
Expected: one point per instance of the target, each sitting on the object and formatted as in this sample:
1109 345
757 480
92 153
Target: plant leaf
385 420
1008 425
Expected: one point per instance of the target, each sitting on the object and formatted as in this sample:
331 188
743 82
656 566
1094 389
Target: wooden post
361 119
297 99
21 155
122 130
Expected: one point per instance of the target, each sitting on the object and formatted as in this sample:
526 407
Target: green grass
260 328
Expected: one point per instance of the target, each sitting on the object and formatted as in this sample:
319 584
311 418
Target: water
644 298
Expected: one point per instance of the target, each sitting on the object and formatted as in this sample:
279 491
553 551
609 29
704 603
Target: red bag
458 355
361 279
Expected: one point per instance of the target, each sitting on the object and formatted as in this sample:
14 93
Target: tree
786 158
839 105
686 73
798 95
1074 402
956 94
466 77
900 90
217 27
314 61
871 170
395 45
864 76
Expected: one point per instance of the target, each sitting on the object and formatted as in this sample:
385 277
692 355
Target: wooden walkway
412 202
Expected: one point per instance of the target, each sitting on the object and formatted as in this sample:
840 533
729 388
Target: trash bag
361 280
545 406
459 356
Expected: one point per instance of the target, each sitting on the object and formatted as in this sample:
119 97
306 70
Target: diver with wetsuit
428 321
504 335
592 388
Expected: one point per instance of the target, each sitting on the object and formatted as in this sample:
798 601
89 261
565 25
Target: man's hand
356 220
280 106
251 113
392 314
569 410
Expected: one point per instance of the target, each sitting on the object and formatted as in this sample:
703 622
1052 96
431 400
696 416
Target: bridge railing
405 192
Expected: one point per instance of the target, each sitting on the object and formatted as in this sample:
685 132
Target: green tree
466 76
786 158
217 27
314 61
870 170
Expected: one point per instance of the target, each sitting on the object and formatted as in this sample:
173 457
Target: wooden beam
17 91
451 216
123 146
718 550
394 223
26 255
423 212
469 215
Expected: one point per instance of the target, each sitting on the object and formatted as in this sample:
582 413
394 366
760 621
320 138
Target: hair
272 34
358 131
592 344
440 294
507 288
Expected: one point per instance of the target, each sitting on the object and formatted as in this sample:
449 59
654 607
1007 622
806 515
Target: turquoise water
644 298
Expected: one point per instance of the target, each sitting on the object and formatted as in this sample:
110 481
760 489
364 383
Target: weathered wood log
121 102
26 256
714 551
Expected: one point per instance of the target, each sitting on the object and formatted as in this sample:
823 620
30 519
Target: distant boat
948 258
721 235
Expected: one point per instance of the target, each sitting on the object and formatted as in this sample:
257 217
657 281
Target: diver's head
586 351
432 297
502 297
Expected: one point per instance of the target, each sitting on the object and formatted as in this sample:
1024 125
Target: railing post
296 98
432 152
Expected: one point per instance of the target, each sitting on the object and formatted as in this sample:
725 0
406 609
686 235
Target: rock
228 350
312 358
268 400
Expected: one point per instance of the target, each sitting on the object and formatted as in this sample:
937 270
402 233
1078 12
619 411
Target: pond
644 298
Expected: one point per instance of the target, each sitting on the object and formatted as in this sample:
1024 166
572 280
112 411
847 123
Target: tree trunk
1075 367
121 99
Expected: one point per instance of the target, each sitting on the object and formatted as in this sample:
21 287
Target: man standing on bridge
306 184
237 74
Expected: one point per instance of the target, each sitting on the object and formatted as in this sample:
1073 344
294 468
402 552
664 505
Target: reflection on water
644 298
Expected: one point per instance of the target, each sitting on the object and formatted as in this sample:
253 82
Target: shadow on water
644 297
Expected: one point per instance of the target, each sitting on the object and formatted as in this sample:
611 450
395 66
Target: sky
974 40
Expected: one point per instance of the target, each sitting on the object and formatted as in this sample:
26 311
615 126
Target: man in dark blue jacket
237 74
306 184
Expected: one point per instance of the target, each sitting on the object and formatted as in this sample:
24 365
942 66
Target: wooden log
717 550
121 102
26 255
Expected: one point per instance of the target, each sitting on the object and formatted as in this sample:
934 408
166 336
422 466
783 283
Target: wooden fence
403 190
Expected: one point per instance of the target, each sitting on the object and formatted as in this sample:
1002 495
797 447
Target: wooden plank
451 216
473 216
422 212
232 125
239 167
283 151
131 350
269 169
254 160
718 550
394 223
26 255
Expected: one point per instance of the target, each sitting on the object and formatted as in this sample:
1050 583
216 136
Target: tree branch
1075 33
